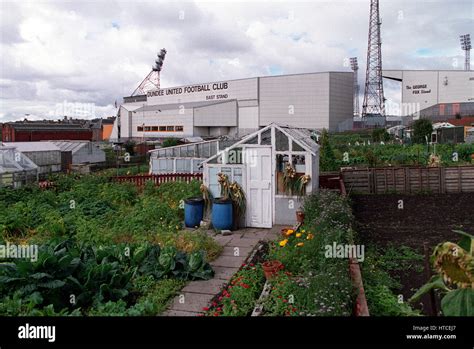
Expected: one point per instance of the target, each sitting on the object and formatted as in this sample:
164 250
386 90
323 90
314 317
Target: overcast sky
93 53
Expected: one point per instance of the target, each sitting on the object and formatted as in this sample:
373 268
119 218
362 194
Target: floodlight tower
373 96
152 80
466 46
355 69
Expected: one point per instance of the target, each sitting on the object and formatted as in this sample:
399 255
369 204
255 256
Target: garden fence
409 180
140 180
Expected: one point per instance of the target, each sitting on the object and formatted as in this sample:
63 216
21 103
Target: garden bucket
193 212
222 214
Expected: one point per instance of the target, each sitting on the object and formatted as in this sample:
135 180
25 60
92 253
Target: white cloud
97 52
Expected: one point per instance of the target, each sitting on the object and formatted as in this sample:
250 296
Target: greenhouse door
258 161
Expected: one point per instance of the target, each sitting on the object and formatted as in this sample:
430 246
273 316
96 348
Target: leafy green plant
454 264
94 275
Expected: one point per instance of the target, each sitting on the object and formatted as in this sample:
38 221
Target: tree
380 135
169 142
422 128
327 157
130 147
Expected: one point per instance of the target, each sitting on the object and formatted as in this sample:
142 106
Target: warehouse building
34 131
238 107
436 94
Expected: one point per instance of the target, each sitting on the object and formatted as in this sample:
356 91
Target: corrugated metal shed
82 152
73 147
33 146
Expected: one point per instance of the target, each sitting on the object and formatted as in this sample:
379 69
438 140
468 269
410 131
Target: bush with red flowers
240 295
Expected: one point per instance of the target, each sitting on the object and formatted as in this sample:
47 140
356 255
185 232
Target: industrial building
34 131
238 107
65 129
436 94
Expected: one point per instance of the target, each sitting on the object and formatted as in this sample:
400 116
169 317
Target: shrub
422 128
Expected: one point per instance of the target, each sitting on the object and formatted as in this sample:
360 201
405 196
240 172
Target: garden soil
424 219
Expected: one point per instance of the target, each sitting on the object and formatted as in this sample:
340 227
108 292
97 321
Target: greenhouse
276 166
15 168
184 158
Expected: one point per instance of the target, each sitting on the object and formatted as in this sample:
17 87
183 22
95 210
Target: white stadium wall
431 87
238 107
225 114
298 100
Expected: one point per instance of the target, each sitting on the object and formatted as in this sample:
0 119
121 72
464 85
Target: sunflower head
455 264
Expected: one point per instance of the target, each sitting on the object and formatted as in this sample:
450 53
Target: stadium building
436 94
238 107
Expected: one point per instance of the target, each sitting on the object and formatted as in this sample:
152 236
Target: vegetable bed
104 248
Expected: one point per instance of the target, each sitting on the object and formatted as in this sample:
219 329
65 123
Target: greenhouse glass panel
266 137
237 177
297 147
183 165
281 141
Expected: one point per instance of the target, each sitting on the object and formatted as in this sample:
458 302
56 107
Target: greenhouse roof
33 146
300 136
72 146
11 161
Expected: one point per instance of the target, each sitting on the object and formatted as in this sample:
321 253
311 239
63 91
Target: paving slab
224 273
212 286
243 242
179 313
223 240
193 302
228 261
231 250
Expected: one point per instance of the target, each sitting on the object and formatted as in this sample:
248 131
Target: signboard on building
215 91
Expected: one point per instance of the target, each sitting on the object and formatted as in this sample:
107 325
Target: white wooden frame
308 154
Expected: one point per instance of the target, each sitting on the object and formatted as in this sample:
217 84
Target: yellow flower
300 244
289 232
283 242
303 231
298 235
310 236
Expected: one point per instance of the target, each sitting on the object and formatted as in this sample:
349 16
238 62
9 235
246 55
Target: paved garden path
197 294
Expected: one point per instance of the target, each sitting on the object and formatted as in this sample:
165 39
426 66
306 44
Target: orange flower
300 244
310 236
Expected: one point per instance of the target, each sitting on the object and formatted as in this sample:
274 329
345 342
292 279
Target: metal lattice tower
355 69
152 80
373 95
466 46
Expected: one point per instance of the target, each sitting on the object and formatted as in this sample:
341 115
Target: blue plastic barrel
222 214
193 212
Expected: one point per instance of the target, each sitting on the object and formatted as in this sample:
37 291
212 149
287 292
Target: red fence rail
140 180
